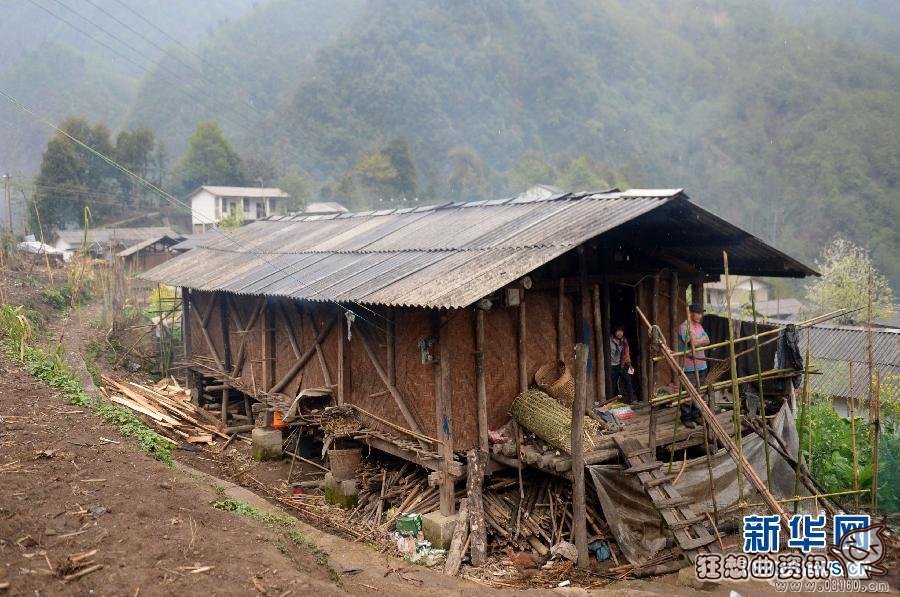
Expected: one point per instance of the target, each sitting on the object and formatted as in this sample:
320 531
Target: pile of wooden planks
166 407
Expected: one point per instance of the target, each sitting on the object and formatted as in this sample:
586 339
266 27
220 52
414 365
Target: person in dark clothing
693 337
620 363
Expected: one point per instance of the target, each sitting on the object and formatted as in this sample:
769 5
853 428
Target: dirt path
65 490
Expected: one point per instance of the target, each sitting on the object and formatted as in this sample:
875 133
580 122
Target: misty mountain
782 117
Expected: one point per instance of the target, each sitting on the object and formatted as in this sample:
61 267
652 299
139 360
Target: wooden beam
268 345
456 470
579 507
245 332
521 344
204 322
480 387
301 362
601 342
390 341
444 412
186 336
654 301
560 320
343 389
604 314
643 341
585 333
226 334
408 415
476 462
320 354
290 330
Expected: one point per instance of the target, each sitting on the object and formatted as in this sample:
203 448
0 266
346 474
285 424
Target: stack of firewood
166 407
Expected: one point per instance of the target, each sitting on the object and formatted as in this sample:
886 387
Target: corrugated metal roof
122 236
832 348
431 256
172 240
259 192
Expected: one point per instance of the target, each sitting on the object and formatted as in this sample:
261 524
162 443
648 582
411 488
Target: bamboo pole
768 375
855 463
735 395
759 382
778 330
720 432
804 412
875 447
579 516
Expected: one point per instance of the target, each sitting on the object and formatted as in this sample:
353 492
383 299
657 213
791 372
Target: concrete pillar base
266 444
341 493
438 528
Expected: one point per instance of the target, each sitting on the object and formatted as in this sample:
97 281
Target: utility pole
8 201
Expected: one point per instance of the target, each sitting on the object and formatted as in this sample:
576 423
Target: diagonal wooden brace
719 431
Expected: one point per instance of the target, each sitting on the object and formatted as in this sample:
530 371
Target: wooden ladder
677 511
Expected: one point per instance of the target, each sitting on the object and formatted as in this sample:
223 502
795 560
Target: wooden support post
654 309
391 348
673 310
521 347
268 345
320 354
480 387
226 350
343 391
477 460
186 336
560 320
604 313
643 341
579 507
601 341
443 412
585 333
697 294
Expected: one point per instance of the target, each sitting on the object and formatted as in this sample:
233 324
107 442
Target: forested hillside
79 57
783 117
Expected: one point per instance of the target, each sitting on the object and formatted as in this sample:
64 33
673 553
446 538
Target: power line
163 50
178 203
123 57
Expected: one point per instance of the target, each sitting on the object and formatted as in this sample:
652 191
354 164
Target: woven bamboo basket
549 420
340 421
556 380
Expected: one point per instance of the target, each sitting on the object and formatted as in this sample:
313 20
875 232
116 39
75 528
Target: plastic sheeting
639 529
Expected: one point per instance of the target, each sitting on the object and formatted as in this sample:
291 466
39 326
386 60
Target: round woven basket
344 462
556 380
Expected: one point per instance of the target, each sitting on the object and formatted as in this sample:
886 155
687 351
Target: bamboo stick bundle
549 420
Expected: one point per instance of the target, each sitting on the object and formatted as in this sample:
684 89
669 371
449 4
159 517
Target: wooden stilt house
431 320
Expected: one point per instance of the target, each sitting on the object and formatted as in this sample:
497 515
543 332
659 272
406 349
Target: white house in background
740 290
209 204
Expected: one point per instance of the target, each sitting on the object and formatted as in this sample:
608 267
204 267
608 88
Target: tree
135 151
529 170
209 159
297 185
848 278
581 174
467 179
71 177
406 182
